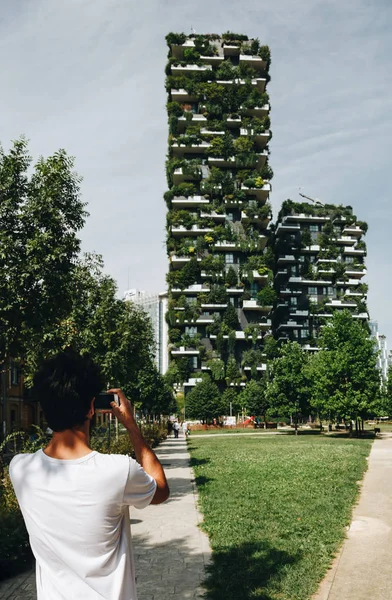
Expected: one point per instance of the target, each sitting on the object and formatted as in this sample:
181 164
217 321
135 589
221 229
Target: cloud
88 75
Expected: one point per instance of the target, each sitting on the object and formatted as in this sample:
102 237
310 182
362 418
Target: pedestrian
75 501
176 428
169 428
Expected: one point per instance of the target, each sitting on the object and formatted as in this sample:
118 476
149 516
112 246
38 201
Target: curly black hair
65 385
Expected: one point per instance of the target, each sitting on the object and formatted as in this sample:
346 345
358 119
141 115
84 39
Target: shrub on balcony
243 144
306 238
212 265
174 335
217 295
226 71
231 277
176 39
230 318
252 358
233 374
217 368
364 226
181 218
174 109
191 56
252 332
265 54
256 99
266 296
254 182
229 36
184 189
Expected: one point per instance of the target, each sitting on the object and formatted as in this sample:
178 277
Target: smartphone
103 400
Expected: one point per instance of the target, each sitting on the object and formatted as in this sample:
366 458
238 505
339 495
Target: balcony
181 231
259 83
212 60
354 252
181 149
253 61
213 215
212 306
261 139
262 367
182 121
215 161
340 304
178 49
182 95
288 292
304 218
226 246
234 291
346 240
294 312
177 262
229 50
257 111
261 193
285 259
179 176
234 123
192 289
189 69
261 222
252 305
353 273
353 230
183 351
281 273
182 202
287 228
312 248
289 325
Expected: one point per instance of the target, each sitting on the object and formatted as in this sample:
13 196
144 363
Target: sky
88 76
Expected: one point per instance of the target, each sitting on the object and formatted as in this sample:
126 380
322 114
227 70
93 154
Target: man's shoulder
19 460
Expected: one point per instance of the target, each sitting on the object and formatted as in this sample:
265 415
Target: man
75 501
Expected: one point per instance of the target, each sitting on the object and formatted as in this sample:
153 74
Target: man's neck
69 444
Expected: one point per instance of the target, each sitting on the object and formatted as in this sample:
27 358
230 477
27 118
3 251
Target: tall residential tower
319 266
220 279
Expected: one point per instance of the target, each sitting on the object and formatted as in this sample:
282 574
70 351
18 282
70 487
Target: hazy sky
88 76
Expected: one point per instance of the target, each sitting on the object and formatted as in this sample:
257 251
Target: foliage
233 374
288 390
230 317
231 396
254 398
217 368
266 296
346 382
265 501
40 214
175 39
203 401
231 277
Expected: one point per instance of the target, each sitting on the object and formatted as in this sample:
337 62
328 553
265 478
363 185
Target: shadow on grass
195 462
201 480
244 572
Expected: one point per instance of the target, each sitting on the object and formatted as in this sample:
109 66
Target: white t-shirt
77 516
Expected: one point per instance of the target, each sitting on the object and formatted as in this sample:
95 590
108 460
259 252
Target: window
305 334
293 270
329 291
229 216
314 228
229 258
294 301
193 362
295 333
313 299
192 300
312 291
232 301
191 331
14 374
349 259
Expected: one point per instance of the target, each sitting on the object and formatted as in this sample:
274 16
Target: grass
234 430
275 509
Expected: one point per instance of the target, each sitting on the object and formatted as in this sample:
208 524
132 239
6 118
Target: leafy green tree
40 215
231 277
230 317
288 390
204 401
345 378
254 398
231 396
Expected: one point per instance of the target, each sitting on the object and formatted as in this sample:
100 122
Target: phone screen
103 400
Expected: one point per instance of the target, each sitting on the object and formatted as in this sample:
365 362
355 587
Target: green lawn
275 509
234 430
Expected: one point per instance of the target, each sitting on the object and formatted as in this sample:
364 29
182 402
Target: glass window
229 258
349 259
295 333
313 228
312 291
230 216
305 333
191 331
294 301
329 291
193 361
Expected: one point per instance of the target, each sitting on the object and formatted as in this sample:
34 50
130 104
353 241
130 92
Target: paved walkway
362 570
170 550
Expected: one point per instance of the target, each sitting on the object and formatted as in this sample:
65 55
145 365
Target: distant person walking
176 428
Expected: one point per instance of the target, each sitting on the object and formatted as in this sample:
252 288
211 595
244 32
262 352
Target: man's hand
123 412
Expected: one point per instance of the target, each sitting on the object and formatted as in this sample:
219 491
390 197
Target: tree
288 391
231 397
346 381
230 317
204 401
231 277
40 214
254 398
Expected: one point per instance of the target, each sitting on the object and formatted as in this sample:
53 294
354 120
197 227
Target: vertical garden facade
319 266
220 280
